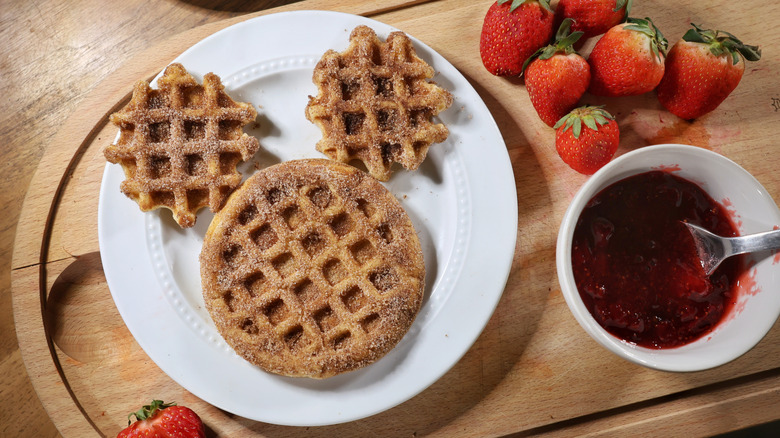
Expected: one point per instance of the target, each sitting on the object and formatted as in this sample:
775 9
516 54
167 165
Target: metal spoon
713 249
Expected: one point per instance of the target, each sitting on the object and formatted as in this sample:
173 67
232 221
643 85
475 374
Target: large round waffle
312 269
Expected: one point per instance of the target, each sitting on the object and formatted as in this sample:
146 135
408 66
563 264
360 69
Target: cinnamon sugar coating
179 144
376 103
312 269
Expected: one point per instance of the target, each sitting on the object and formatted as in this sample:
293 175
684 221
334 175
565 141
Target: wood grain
532 371
54 53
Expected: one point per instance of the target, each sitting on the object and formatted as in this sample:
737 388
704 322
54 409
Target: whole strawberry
161 419
593 17
556 77
512 32
628 60
587 138
702 69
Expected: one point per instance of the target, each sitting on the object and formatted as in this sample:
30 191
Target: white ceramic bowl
758 302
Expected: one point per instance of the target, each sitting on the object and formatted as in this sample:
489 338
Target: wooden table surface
55 52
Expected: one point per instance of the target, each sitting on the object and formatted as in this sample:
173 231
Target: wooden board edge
665 417
699 412
37 353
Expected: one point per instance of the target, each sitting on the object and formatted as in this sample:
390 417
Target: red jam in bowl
636 267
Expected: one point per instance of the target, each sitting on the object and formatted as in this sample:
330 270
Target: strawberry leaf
620 4
537 54
591 116
751 53
567 43
149 411
590 122
694 36
600 119
564 38
640 25
577 129
548 52
564 43
563 29
569 123
513 6
516 4
722 43
658 43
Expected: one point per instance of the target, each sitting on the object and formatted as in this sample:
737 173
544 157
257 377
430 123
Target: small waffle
312 269
179 145
375 103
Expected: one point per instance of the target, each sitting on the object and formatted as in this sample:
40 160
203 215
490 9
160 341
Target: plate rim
500 265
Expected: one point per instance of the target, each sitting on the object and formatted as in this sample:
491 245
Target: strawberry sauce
636 266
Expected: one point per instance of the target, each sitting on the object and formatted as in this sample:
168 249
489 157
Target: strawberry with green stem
556 76
587 138
160 419
512 31
628 60
593 17
702 69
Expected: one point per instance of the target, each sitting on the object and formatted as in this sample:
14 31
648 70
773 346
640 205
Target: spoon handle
765 241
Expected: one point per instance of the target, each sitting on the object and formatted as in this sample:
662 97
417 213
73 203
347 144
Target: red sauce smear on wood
636 266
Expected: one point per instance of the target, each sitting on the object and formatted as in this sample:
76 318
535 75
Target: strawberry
164 420
702 69
628 60
593 17
587 148
513 32
556 77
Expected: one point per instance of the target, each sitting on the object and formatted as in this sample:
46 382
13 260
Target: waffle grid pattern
316 277
376 105
179 145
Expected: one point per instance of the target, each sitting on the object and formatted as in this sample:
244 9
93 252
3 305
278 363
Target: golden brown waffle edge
375 103
179 144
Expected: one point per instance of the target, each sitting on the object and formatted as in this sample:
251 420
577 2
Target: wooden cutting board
532 371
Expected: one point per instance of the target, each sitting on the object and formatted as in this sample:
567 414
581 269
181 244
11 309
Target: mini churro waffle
179 145
375 103
312 269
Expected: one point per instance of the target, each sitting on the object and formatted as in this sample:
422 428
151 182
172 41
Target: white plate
462 201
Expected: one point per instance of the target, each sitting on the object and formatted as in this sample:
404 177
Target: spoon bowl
713 249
